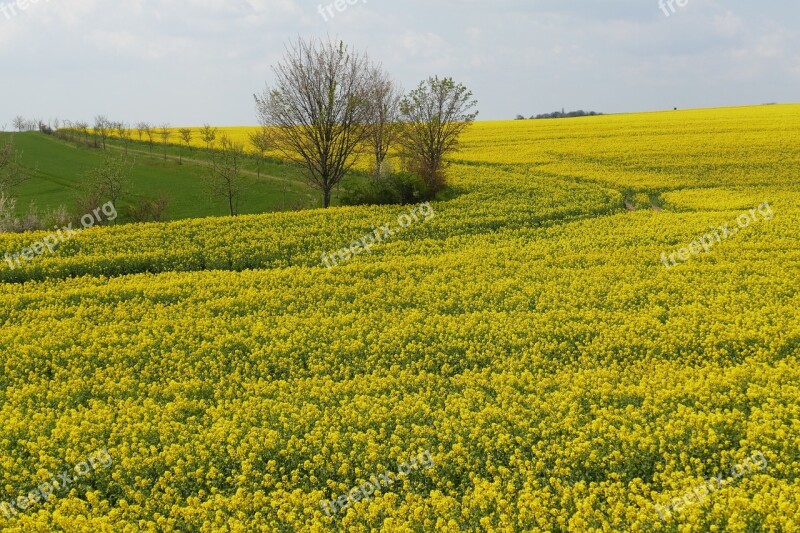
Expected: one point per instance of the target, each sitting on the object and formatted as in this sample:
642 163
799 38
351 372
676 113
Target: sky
189 62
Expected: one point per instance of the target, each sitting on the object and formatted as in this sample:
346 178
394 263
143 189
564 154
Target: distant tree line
562 114
224 177
21 124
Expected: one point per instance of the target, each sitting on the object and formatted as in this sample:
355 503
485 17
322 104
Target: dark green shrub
398 188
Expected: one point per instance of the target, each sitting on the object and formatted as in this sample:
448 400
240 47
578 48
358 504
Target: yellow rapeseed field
529 336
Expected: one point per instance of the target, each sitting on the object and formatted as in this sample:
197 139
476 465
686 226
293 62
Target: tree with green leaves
108 182
434 115
209 135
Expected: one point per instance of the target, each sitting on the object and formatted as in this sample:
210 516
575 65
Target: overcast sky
186 62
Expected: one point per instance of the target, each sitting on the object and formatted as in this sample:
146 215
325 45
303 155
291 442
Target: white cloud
728 24
193 61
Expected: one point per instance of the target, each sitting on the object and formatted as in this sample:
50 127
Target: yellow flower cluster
528 337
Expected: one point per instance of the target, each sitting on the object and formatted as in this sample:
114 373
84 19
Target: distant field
529 337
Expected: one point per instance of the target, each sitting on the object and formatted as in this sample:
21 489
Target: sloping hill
58 169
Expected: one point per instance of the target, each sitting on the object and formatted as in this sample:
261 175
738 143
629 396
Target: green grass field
58 169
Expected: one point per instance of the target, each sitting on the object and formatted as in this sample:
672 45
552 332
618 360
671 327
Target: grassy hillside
58 168
526 334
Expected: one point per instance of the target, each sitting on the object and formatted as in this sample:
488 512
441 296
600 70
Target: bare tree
102 127
259 140
225 177
434 115
67 131
19 123
186 137
140 128
384 100
165 133
317 113
124 133
209 135
83 127
149 132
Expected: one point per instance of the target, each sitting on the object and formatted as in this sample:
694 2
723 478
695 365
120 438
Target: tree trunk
326 198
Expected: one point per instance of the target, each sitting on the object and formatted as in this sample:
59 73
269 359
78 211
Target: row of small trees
21 124
105 129
562 114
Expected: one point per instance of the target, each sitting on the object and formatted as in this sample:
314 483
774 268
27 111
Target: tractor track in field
200 162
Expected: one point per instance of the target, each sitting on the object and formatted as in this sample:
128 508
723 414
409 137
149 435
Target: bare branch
317 113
